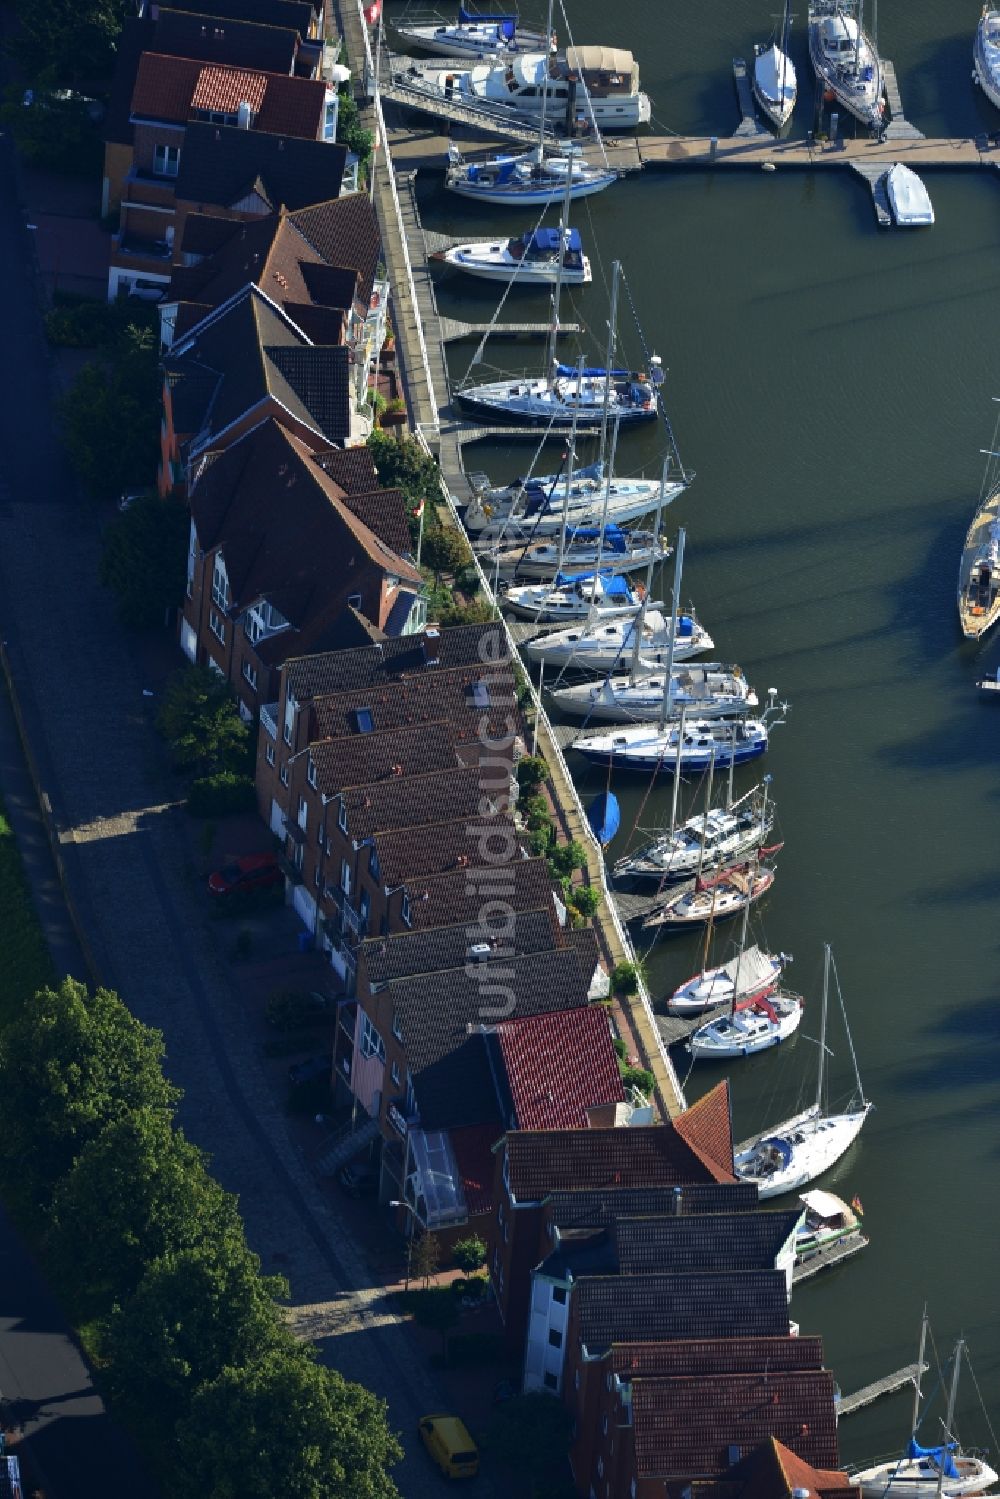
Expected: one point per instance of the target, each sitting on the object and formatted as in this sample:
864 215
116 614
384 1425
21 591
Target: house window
303 816
559 1295
311 776
363 720
217 625
345 876
555 1338
373 863
285 778
319 835
289 719
364 906
298 856
354 601
329 846
166 160
397 1029
404 909
394 1073
220 583
342 816
550 1381
317 874
269 754
478 694
372 1044
250 675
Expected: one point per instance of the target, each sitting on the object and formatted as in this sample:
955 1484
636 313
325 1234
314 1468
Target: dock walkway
875 176
749 123
831 1254
848 1404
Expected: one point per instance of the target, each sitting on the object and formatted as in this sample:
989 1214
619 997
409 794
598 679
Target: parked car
128 497
252 872
448 1441
298 1009
359 1179
312 1070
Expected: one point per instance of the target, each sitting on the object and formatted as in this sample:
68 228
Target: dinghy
908 198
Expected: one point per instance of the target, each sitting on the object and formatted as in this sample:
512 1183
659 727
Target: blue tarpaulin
613 586
594 373
915 1450
546 241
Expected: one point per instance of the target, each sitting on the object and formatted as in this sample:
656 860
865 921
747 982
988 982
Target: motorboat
527 259
827 1220
752 974
473 36
606 644
991 684
798 1150
709 690
752 1025
774 83
624 551
573 596
979 571
535 507
986 54
908 198
715 900
845 60
531 180
598 84
708 840
586 396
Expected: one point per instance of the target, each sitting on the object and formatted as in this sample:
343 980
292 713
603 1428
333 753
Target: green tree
437 1309
199 717
63 42
531 772
285 1425
444 550
144 560
530 1436
469 1254
568 856
74 1063
194 1313
426 1257
52 132
625 979
403 464
137 1192
110 417
350 131
586 899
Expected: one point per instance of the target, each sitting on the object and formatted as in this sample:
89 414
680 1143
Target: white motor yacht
986 54
706 691
609 643
908 198
598 84
528 259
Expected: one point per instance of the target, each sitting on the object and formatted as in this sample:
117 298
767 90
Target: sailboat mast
822 1027
545 94
677 772
607 502
919 1374
729 787
640 620
950 1417
708 803
674 606
739 956
570 455
553 350
609 362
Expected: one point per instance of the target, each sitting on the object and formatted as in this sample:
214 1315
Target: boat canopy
612 586
781 1147
614 536
592 471
754 968
823 1204
937 1453
546 241
599 60
507 24
595 372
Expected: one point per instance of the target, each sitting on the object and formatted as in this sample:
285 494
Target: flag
419 510
856 1205
372 12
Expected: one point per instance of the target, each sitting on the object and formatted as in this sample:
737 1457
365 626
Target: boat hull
685 866
774 99
986 56
697 908
916 1477
709 990
739 1036
856 89
520 195
692 762
705 691
976 617
536 401
461 258
814 1142
473 43
908 198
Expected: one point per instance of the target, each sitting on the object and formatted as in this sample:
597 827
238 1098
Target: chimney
244 114
432 643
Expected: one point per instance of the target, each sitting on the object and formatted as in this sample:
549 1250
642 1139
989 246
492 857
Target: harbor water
832 387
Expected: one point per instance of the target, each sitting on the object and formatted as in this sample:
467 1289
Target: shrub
476 1287
540 839
110 416
54 132
639 1078
531 772
144 558
569 856
624 979
221 795
621 1050
294 1010
444 550
586 899
469 1254
199 717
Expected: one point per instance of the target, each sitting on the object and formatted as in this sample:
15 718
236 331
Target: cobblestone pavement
129 876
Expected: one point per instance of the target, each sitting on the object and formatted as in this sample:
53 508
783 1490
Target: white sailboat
979 570
709 690
752 974
754 1023
845 60
943 1472
709 840
986 54
473 36
605 643
774 84
531 507
800 1149
622 551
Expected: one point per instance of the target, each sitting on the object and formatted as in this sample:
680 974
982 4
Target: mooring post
713 147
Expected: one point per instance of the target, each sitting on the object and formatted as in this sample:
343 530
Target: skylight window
363 720
479 694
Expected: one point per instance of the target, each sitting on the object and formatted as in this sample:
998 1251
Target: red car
252 872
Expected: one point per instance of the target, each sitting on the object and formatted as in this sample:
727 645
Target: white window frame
404 909
311 775
250 675
285 777
302 817
269 755
286 732
217 625
342 816
220 583
345 877
166 160
370 1043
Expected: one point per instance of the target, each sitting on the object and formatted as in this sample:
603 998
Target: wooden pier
848 1404
831 1254
453 329
899 127
749 123
677 1028
875 176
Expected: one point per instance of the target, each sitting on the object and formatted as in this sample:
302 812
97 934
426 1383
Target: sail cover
593 373
937 1453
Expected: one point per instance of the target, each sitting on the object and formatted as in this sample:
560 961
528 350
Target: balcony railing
289 870
345 921
269 718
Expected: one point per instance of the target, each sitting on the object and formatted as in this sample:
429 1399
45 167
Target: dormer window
363 722
477 694
404 909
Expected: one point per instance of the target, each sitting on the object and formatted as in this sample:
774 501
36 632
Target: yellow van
448 1441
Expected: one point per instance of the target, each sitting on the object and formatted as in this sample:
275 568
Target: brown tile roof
343 671
559 1066
599 1207
704 1241
382 511
205 233
225 89
411 802
702 1304
366 759
429 697
707 1126
178 88
353 469
345 233
223 165
701 1356
164 85
697 1427
771 1471
415 852
458 895
440 1015
543 1161
383 960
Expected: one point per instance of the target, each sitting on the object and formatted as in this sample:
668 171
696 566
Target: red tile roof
472 1148
175 88
688 1427
703 1356
558 1066
707 1127
543 1161
225 89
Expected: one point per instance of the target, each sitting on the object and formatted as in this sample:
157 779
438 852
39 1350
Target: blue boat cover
950 1470
781 1146
604 816
546 241
506 171
613 585
685 625
614 536
591 373
592 471
467 17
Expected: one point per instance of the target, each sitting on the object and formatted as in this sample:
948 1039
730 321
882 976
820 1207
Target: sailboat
530 180
979 571
623 551
661 749
532 507
714 900
800 1149
844 59
986 54
604 643
473 36
526 259
710 690
752 974
754 1023
943 1472
774 83
710 840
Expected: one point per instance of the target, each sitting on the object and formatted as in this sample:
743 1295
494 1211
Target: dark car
298 1009
242 876
359 1179
312 1070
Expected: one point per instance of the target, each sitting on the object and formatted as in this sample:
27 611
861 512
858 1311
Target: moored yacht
908 198
624 551
986 54
774 84
710 690
752 974
570 395
527 181
752 1025
711 901
979 572
535 507
595 83
844 59
473 36
573 596
606 644
707 841
528 259
675 748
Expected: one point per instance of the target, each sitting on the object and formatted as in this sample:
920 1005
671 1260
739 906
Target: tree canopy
110 415
144 559
68 42
286 1425
199 717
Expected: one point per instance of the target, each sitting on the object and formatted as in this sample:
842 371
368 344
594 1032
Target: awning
599 60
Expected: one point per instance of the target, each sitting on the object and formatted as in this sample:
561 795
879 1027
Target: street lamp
398 1202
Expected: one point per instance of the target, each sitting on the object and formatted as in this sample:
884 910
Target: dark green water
832 388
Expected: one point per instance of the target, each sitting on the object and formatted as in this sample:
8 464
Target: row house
773 1471
319 264
531 1165
169 94
245 363
278 559
306 17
